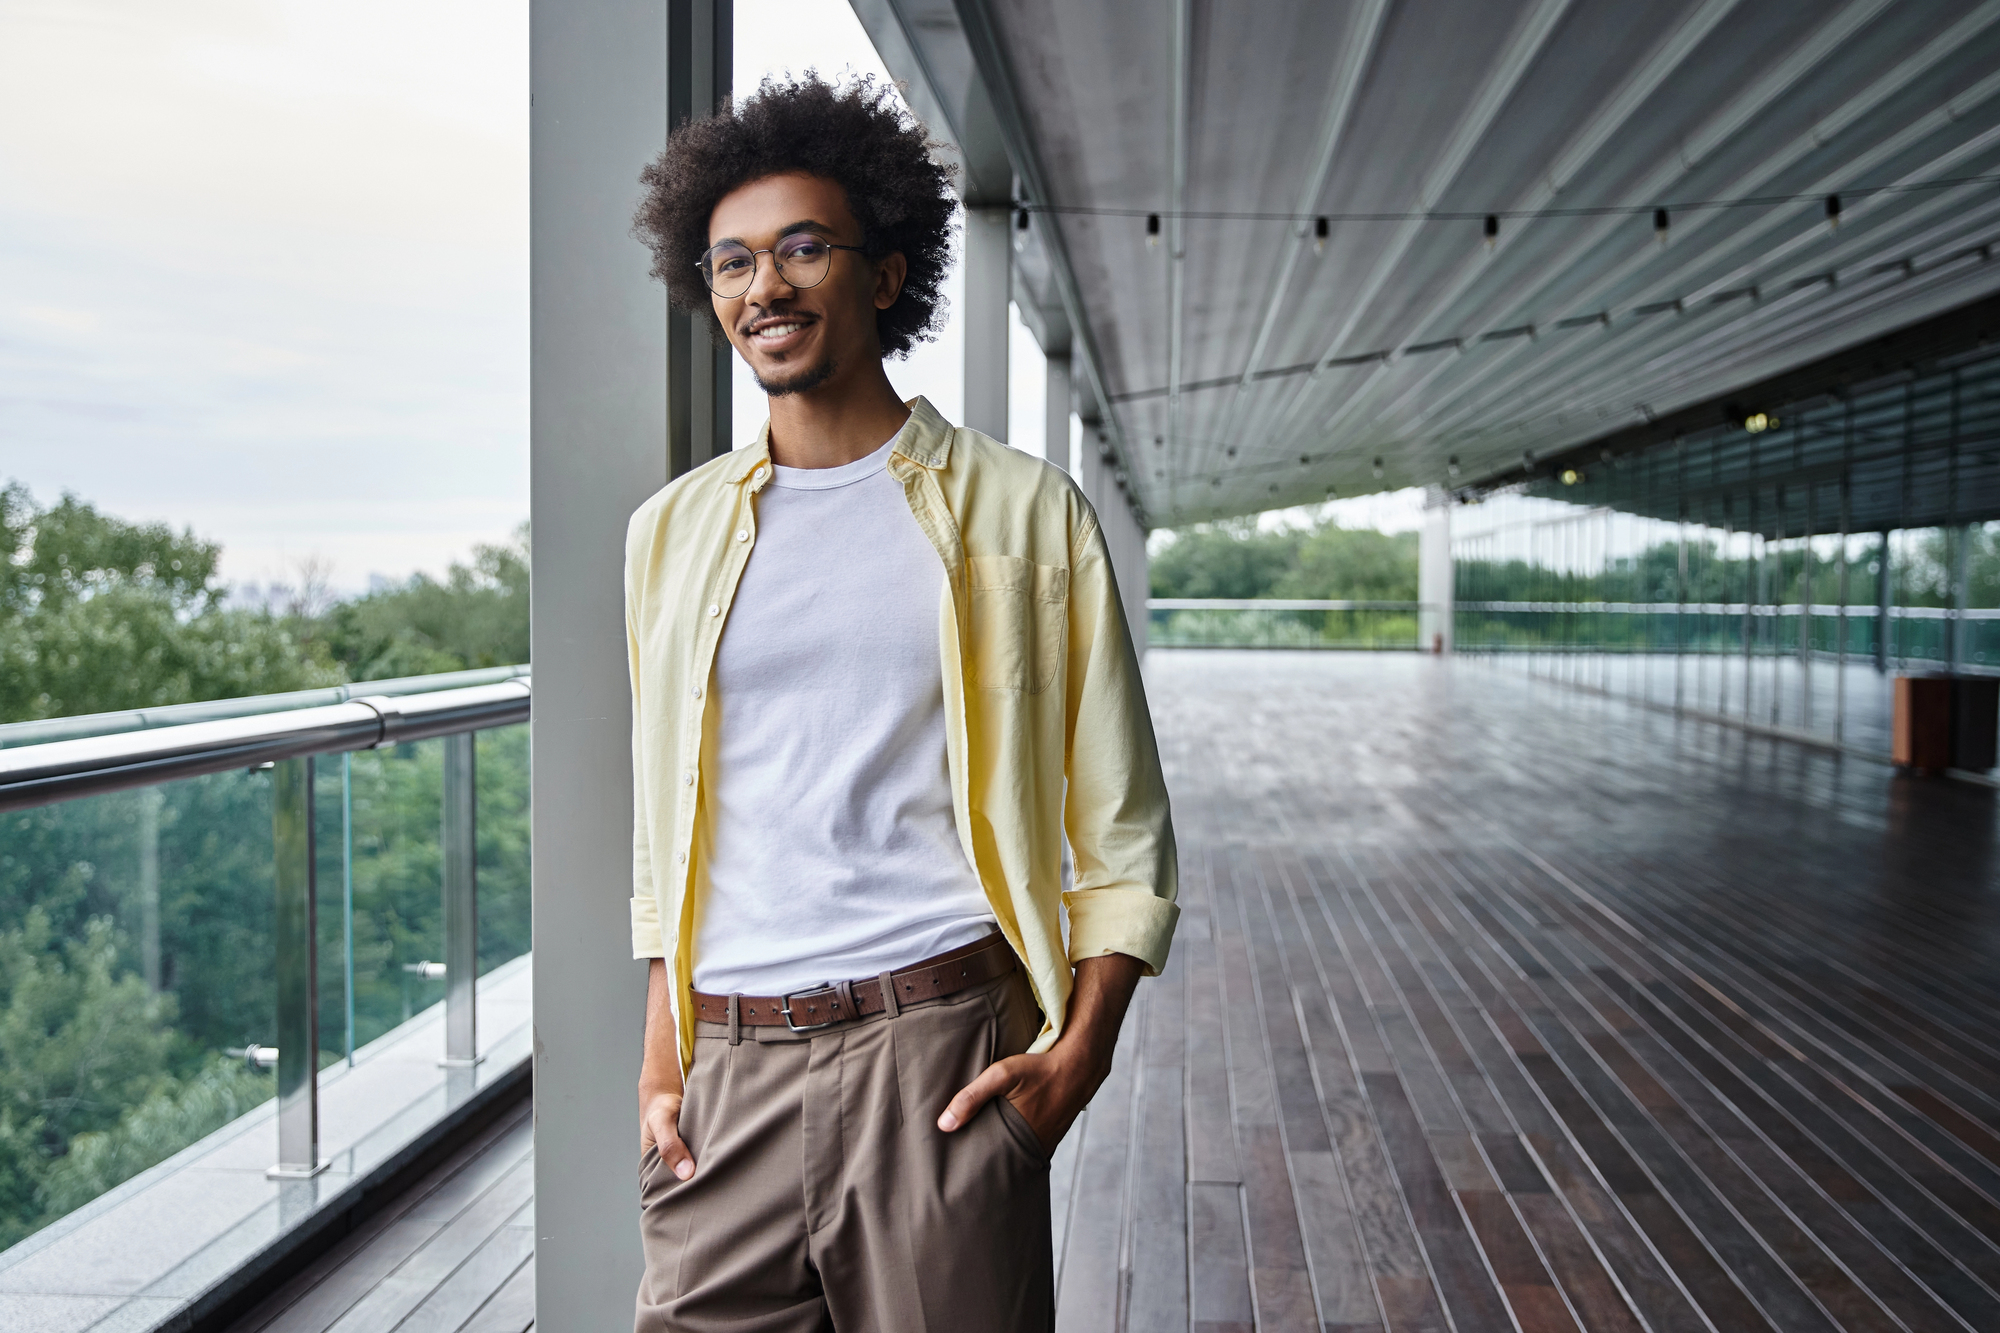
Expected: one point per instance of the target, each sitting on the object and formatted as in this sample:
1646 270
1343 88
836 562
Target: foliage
99 614
476 617
1237 558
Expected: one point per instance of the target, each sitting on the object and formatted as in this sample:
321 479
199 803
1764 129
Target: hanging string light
1020 229
1660 224
1492 230
1152 231
1833 212
1320 229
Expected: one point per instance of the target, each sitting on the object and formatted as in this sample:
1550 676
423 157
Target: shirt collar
925 440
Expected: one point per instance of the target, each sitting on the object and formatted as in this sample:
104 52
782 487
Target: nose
768 285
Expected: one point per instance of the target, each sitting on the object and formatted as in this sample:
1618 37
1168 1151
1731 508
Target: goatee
803 382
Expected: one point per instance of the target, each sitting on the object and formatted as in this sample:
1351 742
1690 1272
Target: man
878 668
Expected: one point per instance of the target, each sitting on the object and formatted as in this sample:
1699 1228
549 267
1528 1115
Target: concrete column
1435 574
989 283
602 439
1097 478
1055 412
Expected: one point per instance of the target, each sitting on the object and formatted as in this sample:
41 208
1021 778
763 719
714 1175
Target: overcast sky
263 266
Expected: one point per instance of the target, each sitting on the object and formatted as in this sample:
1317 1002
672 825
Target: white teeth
777 330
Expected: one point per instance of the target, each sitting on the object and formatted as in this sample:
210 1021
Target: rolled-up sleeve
1116 811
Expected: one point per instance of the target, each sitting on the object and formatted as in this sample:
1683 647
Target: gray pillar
1055 411
601 442
459 842
1124 539
1435 574
989 282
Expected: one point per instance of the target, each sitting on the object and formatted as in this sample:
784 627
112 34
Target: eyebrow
806 225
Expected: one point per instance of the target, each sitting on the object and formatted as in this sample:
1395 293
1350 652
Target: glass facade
1778 576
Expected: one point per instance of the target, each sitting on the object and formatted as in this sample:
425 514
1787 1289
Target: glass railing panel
135 953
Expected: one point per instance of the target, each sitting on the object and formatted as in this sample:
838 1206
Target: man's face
795 339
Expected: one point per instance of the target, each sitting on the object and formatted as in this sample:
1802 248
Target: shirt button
714 610
742 534
690 779
758 475
681 857
696 691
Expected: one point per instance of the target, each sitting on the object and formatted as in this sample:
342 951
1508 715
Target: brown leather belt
802 1011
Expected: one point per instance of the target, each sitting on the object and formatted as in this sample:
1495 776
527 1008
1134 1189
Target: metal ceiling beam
1728 120
1530 35
1363 29
976 18
1612 116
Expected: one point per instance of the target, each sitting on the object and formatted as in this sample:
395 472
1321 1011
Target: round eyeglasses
802 259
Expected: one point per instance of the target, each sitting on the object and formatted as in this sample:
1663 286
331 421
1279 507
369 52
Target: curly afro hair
857 134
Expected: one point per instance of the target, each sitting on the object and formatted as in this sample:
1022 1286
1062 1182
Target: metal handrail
42 731
32 775
1277 604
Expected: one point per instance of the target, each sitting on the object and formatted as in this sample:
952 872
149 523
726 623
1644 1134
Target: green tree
476 617
98 614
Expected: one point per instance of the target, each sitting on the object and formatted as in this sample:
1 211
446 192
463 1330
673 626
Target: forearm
660 1070
1097 1005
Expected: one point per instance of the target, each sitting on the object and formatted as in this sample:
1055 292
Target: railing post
461 903
297 969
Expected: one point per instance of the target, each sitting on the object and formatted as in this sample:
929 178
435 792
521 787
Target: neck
848 417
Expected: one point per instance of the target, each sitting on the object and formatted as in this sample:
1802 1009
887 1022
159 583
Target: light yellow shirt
1046 725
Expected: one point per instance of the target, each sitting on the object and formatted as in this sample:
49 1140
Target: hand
660 1123
1049 1090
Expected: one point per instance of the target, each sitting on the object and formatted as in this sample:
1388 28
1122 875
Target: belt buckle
785 1008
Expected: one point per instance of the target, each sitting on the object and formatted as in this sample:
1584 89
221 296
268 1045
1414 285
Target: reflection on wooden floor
1496 1006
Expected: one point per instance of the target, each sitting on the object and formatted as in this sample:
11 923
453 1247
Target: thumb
996 1080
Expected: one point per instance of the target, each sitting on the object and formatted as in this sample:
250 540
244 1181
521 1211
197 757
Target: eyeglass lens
730 268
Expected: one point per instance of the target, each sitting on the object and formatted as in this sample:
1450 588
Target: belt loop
849 1010
735 1019
888 985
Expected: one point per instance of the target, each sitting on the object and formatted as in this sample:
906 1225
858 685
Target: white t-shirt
828 843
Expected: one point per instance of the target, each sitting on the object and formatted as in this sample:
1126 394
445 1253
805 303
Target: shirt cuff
646 942
1134 922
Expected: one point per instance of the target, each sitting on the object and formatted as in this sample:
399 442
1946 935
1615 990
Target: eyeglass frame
771 250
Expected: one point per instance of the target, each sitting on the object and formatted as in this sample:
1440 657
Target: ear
889 275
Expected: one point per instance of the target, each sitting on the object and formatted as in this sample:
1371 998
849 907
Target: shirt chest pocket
1020 620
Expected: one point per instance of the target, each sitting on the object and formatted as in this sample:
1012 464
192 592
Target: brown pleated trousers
826 1198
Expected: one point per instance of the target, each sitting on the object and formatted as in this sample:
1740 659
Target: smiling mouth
777 330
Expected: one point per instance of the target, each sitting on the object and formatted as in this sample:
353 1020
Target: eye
731 263
804 247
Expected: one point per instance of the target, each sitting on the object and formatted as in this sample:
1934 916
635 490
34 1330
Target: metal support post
989 282
700 43
149 886
298 971
1884 595
459 839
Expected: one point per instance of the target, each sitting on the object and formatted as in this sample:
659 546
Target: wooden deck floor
1500 1006
453 1255
1495 1006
